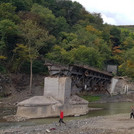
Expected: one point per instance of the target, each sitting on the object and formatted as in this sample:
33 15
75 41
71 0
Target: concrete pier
58 87
57 96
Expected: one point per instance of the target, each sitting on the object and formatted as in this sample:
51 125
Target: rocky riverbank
115 98
8 107
115 124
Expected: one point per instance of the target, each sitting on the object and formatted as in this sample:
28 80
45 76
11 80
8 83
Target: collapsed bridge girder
83 77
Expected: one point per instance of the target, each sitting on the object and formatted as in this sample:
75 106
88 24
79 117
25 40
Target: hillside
63 32
127 27
15 88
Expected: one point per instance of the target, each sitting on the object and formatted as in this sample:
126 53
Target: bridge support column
57 96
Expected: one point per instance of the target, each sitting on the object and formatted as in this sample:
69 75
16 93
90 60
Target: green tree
106 33
71 11
88 56
34 38
85 37
104 50
128 43
21 55
98 21
22 5
46 16
127 66
115 36
7 11
59 55
80 55
60 26
7 29
68 41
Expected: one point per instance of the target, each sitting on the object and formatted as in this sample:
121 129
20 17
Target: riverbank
107 98
12 101
114 124
8 105
115 98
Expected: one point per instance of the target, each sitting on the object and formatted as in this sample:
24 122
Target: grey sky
116 12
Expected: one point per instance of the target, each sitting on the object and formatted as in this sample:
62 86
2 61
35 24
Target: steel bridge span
83 77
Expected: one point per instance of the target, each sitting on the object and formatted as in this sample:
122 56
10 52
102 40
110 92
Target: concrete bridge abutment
57 96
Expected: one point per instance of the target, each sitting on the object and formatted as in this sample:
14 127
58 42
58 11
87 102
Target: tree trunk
31 75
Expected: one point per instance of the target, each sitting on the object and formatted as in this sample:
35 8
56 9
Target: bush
38 67
90 98
2 69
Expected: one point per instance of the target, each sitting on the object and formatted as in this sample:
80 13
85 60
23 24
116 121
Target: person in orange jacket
61 118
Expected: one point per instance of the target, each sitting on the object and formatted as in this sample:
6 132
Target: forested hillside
32 31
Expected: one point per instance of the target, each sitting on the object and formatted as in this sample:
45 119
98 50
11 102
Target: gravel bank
114 124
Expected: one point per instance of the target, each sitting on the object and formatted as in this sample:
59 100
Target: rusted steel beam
93 69
76 68
82 76
77 73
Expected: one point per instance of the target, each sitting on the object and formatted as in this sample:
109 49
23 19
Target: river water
107 109
111 108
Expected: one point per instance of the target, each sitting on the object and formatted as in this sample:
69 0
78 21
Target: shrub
38 67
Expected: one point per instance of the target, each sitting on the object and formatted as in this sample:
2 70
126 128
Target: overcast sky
116 12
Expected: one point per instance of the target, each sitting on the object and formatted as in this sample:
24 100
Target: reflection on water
108 109
111 108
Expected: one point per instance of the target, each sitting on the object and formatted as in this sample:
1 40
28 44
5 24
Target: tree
127 66
87 55
60 26
115 34
92 30
128 43
7 28
71 11
103 49
7 11
46 16
34 38
98 21
68 41
40 2
22 5
85 37
80 55
21 55
106 33
59 55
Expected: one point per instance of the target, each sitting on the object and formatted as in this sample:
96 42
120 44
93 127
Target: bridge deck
93 69
58 69
83 77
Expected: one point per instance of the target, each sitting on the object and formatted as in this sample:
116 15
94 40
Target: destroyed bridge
83 77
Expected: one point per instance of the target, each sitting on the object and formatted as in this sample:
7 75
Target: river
107 109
